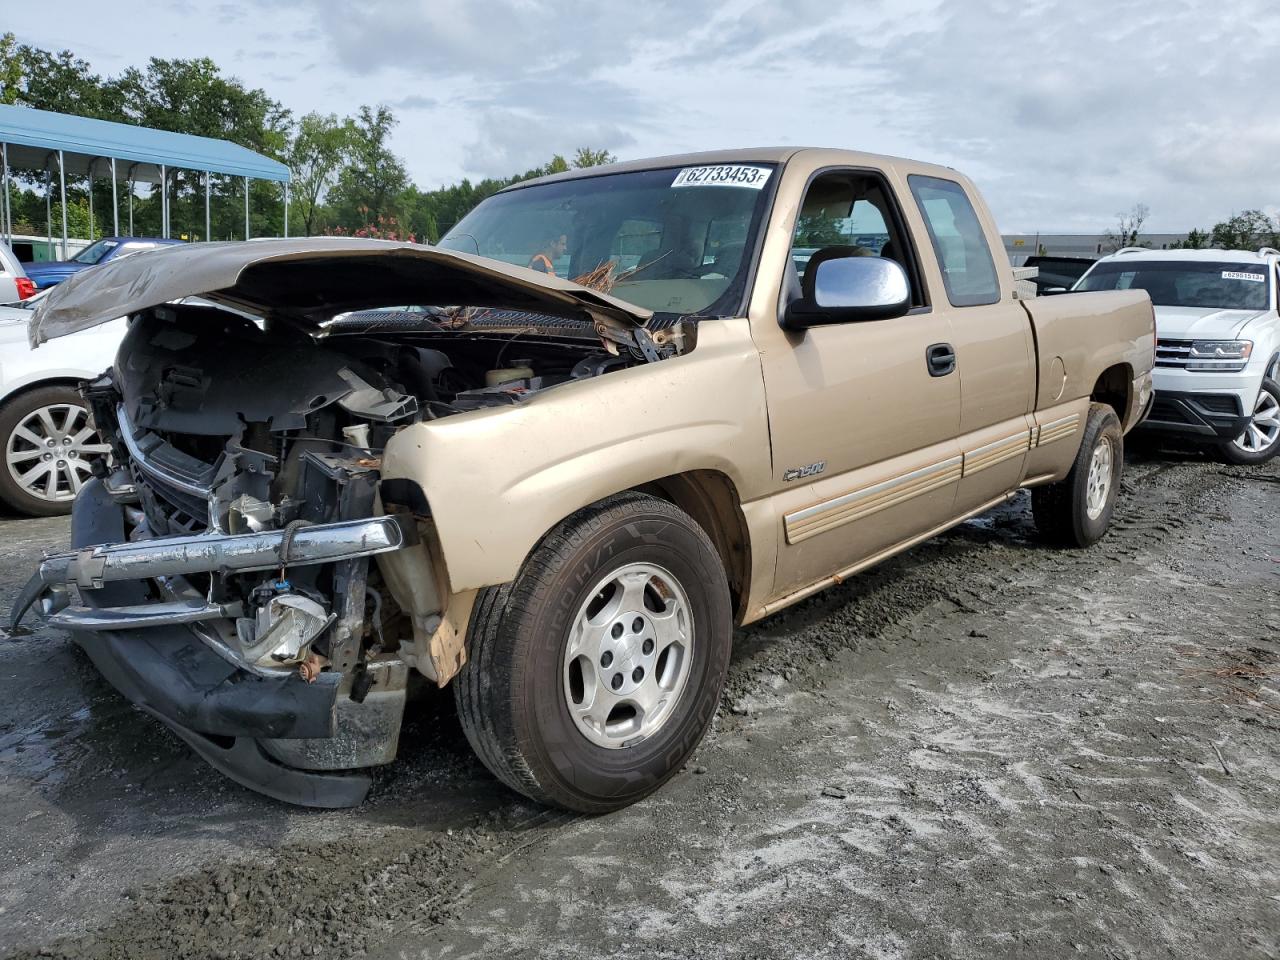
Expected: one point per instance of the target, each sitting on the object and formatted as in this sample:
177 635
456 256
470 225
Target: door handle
941 359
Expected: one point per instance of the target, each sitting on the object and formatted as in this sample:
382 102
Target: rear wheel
1076 511
49 445
594 674
1260 440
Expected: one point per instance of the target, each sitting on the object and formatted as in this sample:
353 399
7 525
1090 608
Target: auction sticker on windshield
1240 275
723 175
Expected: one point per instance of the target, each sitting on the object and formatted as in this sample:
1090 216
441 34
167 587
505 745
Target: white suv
1218 346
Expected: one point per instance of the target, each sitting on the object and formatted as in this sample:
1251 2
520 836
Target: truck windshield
1179 283
675 240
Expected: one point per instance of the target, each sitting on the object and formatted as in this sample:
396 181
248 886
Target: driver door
864 429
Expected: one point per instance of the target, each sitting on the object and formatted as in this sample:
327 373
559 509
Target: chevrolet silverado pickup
552 461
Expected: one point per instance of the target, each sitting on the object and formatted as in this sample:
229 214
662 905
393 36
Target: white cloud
1063 112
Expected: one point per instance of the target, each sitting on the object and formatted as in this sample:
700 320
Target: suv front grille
1173 353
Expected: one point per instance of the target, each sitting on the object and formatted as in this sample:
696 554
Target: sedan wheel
49 449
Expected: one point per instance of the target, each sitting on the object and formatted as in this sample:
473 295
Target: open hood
310 280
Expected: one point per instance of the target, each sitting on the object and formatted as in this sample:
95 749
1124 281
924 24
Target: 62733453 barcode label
724 175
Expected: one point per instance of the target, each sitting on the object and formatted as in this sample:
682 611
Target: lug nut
637 674
616 682
648 646
637 625
616 631
606 658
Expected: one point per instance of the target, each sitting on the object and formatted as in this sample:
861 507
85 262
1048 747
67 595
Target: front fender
497 480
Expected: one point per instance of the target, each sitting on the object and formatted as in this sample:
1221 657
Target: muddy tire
1076 511
45 422
1260 441
593 675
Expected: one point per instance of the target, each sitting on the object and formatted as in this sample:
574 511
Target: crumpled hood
310 280
1202 323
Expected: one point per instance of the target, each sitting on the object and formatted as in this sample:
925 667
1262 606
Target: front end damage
242 572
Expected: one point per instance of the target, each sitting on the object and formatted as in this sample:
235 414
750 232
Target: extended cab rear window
968 272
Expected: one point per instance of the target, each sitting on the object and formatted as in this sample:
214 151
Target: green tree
61 82
193 96
1195 240
371 183
10 69
1248 230
315 159
586 157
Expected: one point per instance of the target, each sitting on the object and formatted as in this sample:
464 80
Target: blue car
100 251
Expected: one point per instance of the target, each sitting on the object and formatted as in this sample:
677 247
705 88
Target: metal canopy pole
48 205
115 201
246 208
286 209
62 192
90 175
207 234
6 215
132 187
164 201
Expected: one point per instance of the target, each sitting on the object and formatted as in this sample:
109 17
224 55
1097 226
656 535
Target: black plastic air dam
171 674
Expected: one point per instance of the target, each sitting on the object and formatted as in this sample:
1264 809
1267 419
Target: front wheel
595 673
1076 511
49 446
1260 440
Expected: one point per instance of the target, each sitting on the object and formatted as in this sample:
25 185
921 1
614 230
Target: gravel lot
982 749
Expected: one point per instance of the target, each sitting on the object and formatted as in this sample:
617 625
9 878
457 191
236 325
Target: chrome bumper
92 567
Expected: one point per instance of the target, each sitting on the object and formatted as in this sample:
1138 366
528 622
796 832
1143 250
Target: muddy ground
982 749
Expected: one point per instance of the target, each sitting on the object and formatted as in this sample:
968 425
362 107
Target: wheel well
711 499
39 385
1115 388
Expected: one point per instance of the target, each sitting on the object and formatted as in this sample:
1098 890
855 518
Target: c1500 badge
799 473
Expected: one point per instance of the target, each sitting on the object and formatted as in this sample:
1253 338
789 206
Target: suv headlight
1221 356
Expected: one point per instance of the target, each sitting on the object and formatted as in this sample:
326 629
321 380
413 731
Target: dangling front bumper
262 728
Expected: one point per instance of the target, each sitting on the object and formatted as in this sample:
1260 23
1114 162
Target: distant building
1019 246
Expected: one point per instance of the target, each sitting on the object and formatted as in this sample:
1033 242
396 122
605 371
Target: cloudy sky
1065 111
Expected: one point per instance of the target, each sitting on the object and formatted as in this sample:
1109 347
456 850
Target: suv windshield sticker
724 175
1238 275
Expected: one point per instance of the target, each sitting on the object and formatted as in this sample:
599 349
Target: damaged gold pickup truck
552 461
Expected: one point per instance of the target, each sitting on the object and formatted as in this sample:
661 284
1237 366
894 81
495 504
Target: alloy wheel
1098 488
628 656
1264 427
50 451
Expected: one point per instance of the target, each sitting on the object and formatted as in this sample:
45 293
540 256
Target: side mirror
845 289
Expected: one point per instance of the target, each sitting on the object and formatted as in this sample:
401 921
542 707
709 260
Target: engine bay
221 424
